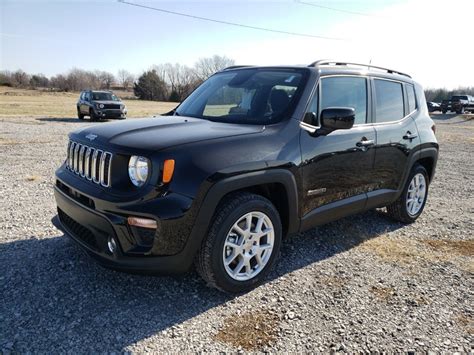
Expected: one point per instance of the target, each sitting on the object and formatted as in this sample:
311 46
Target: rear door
395 104
337 168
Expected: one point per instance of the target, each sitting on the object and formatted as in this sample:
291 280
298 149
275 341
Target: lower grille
112 106
78 230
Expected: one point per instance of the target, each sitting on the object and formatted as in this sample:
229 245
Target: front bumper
91 229
110 113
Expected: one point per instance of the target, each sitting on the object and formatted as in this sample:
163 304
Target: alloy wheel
248 246
416 194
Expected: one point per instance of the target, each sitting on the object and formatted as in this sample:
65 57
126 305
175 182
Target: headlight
101 105
138 170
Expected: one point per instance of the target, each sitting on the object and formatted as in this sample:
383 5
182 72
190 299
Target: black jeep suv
252 155
100 104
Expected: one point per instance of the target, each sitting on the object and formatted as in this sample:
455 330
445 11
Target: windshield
457 98
104 96
251 96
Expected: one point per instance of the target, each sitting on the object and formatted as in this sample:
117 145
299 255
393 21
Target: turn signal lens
168 170
142 222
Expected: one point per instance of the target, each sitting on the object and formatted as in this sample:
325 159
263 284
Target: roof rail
369 66
237 67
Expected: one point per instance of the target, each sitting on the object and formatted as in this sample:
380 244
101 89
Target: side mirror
334 118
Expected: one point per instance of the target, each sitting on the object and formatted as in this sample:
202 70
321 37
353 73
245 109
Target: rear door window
388 101
345 91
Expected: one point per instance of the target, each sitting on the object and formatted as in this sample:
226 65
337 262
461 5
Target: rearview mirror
334 118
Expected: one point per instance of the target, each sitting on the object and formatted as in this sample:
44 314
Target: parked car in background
252 155
446 106
462 103
433 106
100 105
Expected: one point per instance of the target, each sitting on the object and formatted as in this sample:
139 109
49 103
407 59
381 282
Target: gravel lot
364 283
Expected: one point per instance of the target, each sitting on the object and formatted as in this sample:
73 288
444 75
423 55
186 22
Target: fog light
112 245
142 222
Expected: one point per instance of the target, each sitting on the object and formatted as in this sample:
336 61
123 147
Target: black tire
398 209
92 115
209 261
79 114
444 111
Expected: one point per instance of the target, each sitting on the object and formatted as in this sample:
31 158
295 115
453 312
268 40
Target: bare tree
180 78
205 67
125 78
20 79
106 79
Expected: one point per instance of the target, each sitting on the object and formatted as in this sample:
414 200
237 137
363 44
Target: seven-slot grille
91 163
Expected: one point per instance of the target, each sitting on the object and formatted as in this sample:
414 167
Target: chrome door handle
365 143
410 136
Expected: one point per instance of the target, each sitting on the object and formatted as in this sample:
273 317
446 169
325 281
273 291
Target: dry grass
333 281
411 252
8 141
22 102
460 247
382 293
251 331
33 178
466 323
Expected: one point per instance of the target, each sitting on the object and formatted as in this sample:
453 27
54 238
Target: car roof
339 68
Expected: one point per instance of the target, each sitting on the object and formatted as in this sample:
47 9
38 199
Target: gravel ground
364 283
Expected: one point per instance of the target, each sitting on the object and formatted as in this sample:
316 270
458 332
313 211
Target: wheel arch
277 185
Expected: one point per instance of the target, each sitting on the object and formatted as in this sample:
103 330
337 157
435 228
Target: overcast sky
431 40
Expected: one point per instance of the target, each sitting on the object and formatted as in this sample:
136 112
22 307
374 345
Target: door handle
410 136
365 143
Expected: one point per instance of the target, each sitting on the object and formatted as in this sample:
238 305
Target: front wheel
79 114
242 245
92 115
411 202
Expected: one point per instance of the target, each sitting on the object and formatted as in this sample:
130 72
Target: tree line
162 82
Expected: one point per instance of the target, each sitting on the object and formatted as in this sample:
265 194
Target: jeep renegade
100 104
252 155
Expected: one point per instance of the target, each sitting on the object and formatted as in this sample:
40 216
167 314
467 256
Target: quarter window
389 101
340 91
411 98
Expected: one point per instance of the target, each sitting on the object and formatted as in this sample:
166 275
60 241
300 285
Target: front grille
90 163
112 106
78 230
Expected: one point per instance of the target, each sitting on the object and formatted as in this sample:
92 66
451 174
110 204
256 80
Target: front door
337 168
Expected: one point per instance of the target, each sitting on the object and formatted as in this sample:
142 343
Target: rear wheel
242 245
411 202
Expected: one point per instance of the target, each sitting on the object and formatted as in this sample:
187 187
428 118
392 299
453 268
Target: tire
223 236
92 115
444 111
79 114
400 210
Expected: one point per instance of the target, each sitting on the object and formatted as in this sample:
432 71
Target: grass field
35 103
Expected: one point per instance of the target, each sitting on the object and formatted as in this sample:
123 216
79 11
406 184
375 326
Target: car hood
107 102
158 132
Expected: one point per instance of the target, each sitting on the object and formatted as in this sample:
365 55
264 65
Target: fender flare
223 187
422 153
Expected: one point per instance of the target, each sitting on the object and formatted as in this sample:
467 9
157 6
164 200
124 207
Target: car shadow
56 297
68 120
